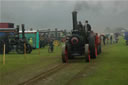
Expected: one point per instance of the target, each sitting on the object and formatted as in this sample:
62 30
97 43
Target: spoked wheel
28 48
91 40
69 53
7 49
64 55
20 49
94 52
1 47
87 53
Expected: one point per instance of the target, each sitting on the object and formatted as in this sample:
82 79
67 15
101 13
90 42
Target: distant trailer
6 25
7 29
32 35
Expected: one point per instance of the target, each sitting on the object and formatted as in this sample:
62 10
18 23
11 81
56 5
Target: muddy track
44 75
85 72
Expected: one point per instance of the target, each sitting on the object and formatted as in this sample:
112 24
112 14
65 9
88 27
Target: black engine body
75 43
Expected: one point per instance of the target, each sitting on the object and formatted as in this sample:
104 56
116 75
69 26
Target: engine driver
88 26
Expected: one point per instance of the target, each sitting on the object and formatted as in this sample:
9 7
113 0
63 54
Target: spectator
31 42
111 39
51 45
104 39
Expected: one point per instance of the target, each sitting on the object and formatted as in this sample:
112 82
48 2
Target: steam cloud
114 6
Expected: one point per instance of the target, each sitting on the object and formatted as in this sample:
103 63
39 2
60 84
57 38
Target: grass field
110 68
19 67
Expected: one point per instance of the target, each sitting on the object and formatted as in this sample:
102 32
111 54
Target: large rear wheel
20 48
92 47
7 49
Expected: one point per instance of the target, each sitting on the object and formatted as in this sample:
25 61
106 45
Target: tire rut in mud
85 72
44 75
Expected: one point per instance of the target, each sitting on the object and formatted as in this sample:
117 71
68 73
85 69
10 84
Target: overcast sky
52 14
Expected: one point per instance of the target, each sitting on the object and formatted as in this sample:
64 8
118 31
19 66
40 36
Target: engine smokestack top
74 19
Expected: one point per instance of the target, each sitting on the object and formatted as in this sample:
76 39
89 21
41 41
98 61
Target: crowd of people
110 38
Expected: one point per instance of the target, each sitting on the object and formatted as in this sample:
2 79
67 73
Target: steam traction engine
81 42
10 37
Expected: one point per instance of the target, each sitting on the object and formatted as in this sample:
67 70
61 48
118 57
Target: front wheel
64 55
28 48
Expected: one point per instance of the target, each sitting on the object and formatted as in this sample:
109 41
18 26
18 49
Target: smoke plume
114 6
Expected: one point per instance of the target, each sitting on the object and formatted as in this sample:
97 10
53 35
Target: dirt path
85 72
43 75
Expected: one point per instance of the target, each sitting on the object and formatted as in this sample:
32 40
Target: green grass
19 68
111 67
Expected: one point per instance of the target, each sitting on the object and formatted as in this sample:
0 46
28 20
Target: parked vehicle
10 37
